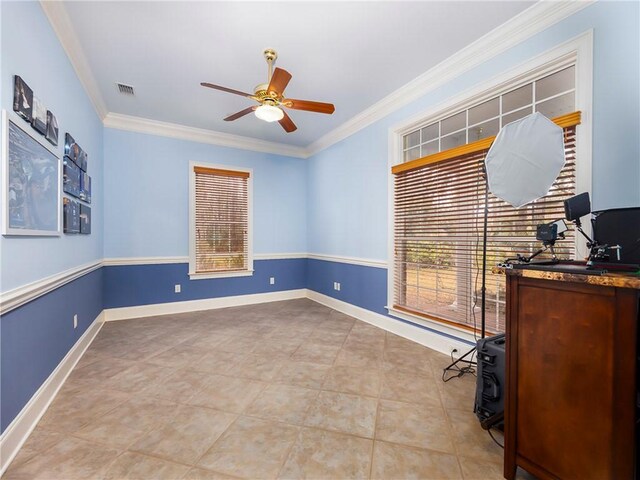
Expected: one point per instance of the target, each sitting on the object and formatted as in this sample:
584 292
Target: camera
548 233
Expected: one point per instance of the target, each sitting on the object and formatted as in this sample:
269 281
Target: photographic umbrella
525 159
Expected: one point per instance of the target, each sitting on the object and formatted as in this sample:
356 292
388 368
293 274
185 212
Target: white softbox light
525 159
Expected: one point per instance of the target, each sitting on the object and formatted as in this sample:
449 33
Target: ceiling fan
271 98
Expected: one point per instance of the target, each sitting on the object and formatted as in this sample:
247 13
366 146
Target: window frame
577 51
193 275
532 106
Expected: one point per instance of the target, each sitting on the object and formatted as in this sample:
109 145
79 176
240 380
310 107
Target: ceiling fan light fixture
270 96
269 113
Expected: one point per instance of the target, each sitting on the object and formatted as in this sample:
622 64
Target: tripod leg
542 250
460 359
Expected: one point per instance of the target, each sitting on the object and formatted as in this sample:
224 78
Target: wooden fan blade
225 89
287 123
239 114
279 81
317 107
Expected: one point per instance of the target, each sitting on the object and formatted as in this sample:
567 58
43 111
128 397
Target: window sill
440 327
208 275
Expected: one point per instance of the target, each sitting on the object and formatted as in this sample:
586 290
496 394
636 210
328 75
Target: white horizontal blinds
222 220
439 210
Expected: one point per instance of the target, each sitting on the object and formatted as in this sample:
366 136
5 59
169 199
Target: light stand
483 294
521 165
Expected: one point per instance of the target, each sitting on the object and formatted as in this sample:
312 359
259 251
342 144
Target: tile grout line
451 434
289 450
197 461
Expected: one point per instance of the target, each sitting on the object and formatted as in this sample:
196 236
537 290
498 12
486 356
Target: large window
220 222
439 198
552 95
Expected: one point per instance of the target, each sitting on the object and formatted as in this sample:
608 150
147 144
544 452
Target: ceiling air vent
125 89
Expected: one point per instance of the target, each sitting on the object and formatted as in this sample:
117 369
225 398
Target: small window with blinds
438 221
220 222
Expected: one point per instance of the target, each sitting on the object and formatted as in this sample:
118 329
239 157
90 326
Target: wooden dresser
570 407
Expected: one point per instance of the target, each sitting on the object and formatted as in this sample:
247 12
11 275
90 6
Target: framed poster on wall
85 219
85 187
70 177
22 99
39 116
71 148
52 128
71 215
82 160
32 178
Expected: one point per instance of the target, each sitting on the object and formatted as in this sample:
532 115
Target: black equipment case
619 226
490 386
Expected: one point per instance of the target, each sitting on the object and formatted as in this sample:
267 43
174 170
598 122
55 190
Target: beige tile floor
279 390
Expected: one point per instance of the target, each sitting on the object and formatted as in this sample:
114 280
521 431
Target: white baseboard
419 335
124 313
21 427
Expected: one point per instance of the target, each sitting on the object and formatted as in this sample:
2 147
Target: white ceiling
351 54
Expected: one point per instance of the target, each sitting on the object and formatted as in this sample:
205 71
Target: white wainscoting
29 292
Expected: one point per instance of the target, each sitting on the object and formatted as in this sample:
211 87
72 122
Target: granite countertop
621 280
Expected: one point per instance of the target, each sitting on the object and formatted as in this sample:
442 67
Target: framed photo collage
76 183
33 173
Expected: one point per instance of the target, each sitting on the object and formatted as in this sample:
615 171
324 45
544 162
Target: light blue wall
347 183
35 337
147 186
347 196
31 49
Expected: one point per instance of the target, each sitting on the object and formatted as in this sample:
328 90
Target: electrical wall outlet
75 321
178 288
453 351
272 280
336 286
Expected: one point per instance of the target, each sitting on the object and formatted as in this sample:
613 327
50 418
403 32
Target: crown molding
200 135
531 21
62 26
